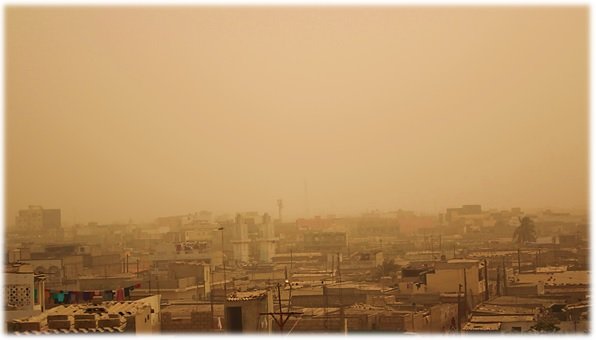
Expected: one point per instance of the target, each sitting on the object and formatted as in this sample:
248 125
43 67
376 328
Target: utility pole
459 309
499 280
157 282
432 252
326 305
281 321
341 300
486 293
504 276
127 255
413 314
211 297
518 261
197 291
333 266
465 294
223 260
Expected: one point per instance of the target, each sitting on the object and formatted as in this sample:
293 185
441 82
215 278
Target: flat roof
184 310
247 296
502 318
515 300
567 277
509 310
100 311
487 327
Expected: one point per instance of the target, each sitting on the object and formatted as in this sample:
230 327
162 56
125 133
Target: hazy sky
143 112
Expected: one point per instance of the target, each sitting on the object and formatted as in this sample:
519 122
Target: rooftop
106 317
522 301
482 327
183 310
501 318
485 309
247 296
568 277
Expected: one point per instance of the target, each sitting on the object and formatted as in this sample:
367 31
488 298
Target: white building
267 240
449 275
240 241
24 292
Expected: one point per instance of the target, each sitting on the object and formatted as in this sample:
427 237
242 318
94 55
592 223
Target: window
18 295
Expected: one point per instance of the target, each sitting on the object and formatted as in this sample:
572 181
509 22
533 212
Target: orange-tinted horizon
143 112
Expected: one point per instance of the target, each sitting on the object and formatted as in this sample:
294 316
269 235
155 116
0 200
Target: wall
441 316
18 290
251 310
196 322
507 327
179 270
51 267
448 280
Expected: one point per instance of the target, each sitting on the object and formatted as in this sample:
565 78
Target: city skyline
70 219
332 170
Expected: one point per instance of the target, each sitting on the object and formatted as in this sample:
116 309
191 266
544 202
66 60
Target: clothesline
73 296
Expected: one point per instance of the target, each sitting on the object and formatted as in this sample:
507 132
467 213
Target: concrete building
325 241
267 240
449 275
36 218
240 241
176 281
245 312
24 292
185 317
138 317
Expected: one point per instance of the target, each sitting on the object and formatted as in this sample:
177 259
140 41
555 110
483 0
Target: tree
546 324
525 232
388 268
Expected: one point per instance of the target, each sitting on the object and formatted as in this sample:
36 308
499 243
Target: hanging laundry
59 297
119 294
127 291
87 296
66 297
47 297
108 295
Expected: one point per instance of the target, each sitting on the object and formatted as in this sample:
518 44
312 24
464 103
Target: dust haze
127 113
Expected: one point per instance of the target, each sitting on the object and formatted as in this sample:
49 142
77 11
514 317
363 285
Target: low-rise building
24 291
140 316
247 312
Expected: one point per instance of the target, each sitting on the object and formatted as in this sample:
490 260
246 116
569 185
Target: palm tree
525 232
546 324
388 268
